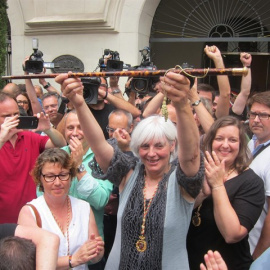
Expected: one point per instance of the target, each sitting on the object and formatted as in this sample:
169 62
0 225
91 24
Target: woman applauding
70 218
231 201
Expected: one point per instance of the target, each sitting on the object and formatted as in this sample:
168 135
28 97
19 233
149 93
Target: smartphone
28 122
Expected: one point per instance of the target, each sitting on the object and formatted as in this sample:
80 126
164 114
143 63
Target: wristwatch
47 85
196 103
116 91
81 169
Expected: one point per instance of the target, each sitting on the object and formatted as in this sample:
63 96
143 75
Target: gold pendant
196 221
141 244
164 109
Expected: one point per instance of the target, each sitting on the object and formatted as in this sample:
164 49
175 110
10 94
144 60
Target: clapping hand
213 261
77 151
214 169
88 251
123 139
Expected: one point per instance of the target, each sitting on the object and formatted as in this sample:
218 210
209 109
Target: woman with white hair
156 195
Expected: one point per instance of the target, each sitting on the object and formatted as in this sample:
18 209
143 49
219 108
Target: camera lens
90 91
140 84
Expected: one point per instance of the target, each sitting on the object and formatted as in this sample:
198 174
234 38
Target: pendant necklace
229 173
141 244
68 220
196 219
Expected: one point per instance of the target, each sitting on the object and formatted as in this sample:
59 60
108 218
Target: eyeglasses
22 102
110 130
52 177
264 116
53 106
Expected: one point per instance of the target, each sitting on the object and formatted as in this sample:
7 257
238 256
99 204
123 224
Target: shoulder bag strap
38 219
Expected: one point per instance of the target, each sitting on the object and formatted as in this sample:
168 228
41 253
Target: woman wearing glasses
70 218
24 102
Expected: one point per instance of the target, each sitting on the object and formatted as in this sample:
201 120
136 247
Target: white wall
83 28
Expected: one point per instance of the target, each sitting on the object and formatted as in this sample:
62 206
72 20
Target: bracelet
196 103
105 95
69 261
217 186
47 85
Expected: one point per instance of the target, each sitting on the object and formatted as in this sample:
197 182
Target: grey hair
50 94
207 104
154 128
123 112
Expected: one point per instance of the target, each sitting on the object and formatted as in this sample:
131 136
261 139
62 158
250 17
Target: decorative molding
104 20
66 63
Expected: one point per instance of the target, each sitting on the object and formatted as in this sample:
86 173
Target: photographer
16 165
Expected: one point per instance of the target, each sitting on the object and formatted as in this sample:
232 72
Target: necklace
68 220
196 219
141 244
229 173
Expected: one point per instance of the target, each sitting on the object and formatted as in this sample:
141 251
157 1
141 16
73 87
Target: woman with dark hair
55 211
24 102
231 199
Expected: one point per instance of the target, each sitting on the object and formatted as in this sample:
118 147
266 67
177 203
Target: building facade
176 30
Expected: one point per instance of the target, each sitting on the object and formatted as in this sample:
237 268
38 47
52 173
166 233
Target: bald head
11 89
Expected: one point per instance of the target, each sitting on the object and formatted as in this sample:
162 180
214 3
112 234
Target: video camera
90 91
35 64
113 64
143 86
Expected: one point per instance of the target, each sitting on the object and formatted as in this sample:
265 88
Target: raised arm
30 89
154 105
47 85
120 103
72 88
177 87
204 116
241 100
223 82
96 192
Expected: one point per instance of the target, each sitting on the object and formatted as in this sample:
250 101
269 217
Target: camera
113 64
142 85
90 90
35 64
27 122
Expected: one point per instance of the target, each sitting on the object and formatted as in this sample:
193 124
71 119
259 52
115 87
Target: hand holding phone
27 122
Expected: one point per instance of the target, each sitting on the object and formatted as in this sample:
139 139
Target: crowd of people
117 185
